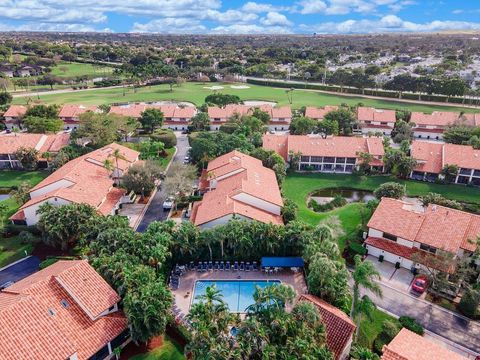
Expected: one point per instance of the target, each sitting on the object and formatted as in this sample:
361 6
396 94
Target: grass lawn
11 178
170 350
297 187
196 93
370 328
67 69
163 162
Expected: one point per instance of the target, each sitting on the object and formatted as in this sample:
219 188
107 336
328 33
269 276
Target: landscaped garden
169 350
196 92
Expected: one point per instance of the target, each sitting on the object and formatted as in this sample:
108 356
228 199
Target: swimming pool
238 294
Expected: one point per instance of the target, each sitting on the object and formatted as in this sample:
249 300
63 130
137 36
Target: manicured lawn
170 350
80 69
297 187
163 162
196 93
370 328
11 178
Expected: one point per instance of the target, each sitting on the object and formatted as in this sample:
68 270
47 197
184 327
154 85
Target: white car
168 203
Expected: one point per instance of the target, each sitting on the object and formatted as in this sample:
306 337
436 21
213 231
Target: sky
240 16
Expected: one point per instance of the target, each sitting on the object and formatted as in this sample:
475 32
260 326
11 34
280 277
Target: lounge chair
216 266
247 267
210 265
191 266
242 266
235 266
254 266
222 266
227 266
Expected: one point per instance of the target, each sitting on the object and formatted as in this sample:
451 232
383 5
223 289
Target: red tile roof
319 113
316 145
372 114
410 346
35 325
15 111
169 111
438 226
9 143
229 110
471 119
436 118
432 157
74 111
391 247
233 176
339 327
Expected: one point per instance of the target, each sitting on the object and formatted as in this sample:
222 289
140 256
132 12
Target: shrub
390 189
411 324
389 330
338 201
166 136
27 237
11 229
357 249
469 304
47 263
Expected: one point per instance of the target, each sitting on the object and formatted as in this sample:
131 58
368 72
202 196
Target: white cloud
343 7
228 17
274 18
170 26
250 29
312 7
389 23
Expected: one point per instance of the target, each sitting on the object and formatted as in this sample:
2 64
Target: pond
324 196
4 193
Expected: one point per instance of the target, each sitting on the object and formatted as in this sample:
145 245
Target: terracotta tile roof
74 111
35 325
372 114
338 326
169 111
86 180
183 112
471 119
9 143
391 247
281 112
233 176
436 118
410 346
432 157
316 145
15 111
112 199
438 226
224 114
319 113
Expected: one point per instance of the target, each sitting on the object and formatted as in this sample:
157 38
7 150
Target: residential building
339 327
407 345
431 126
10 143
280 117
238 186
65 311
433 157
398 230
175 117
13 116
70 114
332 154
373 120
82 180
316 113
7 70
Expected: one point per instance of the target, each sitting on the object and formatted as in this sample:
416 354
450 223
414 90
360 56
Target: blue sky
240 16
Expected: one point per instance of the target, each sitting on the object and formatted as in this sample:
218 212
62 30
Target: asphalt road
433 318
19 270
155 211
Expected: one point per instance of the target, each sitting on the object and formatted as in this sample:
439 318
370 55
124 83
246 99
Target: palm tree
361 353
363 276
117 155
211 297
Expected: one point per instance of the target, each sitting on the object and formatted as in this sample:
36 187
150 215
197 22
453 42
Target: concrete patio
183 295
399 279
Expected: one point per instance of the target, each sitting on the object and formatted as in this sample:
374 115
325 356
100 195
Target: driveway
19 270
155 211
397 278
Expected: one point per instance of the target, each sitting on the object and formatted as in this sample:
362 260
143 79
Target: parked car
420 284
186 159
168 203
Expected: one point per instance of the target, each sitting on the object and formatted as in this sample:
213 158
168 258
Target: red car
420 284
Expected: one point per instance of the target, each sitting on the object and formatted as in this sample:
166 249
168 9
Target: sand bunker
240 87
213 87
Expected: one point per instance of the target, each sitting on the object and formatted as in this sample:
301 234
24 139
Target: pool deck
183 295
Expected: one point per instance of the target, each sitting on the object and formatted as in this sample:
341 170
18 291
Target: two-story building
85 179
10 143
431 126
398 230
64 312
238 186
318 113
373 120
332 154
433 157
70 114
13 116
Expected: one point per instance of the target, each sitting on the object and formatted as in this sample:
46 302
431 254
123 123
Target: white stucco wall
258 203
31 216
60 184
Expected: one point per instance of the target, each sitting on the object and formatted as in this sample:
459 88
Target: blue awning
282 262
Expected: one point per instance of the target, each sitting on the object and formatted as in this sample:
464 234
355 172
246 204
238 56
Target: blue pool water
238 294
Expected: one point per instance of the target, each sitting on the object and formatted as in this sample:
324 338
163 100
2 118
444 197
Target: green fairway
66 69
11 178
298 186
196 93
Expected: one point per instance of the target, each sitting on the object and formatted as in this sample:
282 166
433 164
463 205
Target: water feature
4 193
324 196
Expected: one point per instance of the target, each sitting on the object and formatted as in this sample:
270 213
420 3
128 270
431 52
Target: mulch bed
42 251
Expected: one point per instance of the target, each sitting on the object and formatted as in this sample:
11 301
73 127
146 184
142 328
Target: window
476 173
351 161
305 159
465 171
329 159
428 248
389 236
341 160
316 159
383 123
368 122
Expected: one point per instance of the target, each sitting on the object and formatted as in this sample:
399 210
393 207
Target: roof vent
51 312
64 303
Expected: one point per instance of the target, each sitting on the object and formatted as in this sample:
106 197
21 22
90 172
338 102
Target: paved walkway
436 319
155 210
